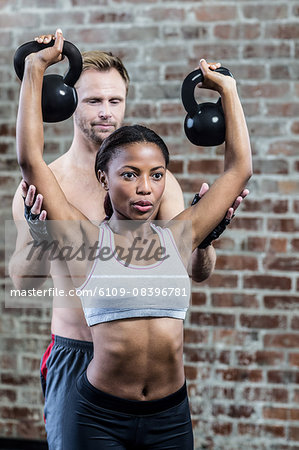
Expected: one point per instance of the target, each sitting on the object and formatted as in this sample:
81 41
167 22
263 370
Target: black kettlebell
59 97
205 123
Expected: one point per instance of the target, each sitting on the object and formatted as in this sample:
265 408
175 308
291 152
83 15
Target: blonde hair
104 61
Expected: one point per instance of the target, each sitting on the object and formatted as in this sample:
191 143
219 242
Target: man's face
101 104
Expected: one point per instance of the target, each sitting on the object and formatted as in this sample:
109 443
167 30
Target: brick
224 243
260 394
229 300
195 336
223 429
206 355
254 244
282 109
215 392
262 321
295 323
283 225
255 430
281 302
235 411
19 380
276 166
67 18
221 280
265 358
213 13
245 71
176 166
294 433
8 395
31 430
212 52
282 263
19 413
286 340
283 376
282 72
282 31
108 17
295 128
236 262
142 111
167 14
294 359
240 375
205 166
190 372
288 187
267 282
239 31
246 223
167 53
8 361
266 11
281 413
234 337
145 33
295 245
265 129
286 148
267 51
264 90
212 319
278 245
198 299
194 32
167 129
19 20
172 109
160 91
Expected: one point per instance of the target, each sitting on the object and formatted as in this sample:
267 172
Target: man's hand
225 221
33 214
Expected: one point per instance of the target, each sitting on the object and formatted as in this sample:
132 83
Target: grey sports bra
116 290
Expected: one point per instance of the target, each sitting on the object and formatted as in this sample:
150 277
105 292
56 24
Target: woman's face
136 181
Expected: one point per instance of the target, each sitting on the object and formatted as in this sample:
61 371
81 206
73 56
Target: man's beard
90 133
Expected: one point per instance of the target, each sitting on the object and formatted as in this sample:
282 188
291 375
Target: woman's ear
102 177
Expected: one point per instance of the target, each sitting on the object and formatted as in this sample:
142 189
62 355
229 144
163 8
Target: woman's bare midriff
138 359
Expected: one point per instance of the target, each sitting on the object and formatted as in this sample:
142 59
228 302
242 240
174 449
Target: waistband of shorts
135 407
72 343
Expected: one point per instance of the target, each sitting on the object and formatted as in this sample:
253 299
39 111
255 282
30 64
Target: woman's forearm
237 144
30 135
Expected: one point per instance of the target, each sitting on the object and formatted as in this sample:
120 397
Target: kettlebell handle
188 86
69 50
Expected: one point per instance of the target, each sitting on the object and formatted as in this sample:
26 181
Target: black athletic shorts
95 420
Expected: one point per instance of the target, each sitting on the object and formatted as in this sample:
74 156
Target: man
102 89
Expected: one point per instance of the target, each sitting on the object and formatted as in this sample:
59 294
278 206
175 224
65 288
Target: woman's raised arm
30 134
207 213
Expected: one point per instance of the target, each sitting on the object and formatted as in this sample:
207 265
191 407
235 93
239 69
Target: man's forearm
203 263
29 267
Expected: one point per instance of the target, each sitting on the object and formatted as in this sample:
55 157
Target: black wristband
218 230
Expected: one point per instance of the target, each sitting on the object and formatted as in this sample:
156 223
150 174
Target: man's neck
83 153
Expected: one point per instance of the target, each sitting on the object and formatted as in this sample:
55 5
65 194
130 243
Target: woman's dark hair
112 145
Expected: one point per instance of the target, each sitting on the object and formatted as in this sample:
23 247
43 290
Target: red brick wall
242 333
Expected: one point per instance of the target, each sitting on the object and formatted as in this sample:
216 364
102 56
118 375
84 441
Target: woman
133 394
